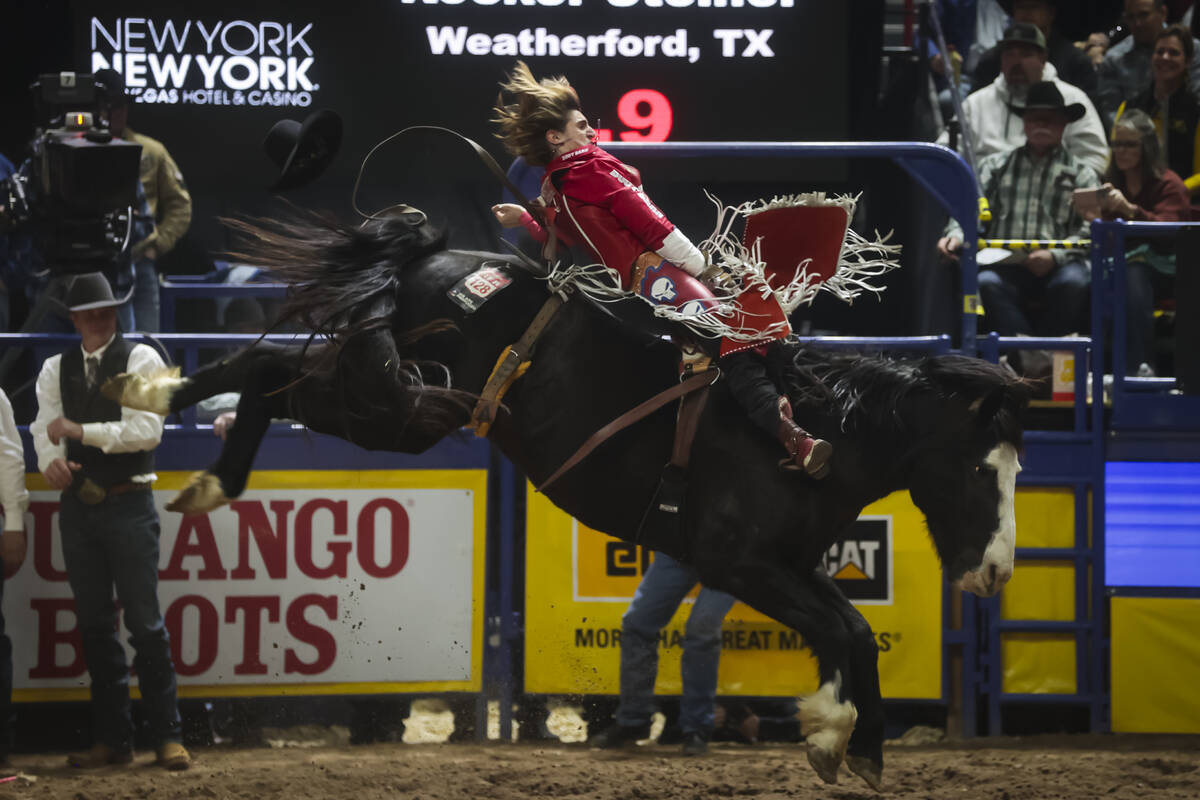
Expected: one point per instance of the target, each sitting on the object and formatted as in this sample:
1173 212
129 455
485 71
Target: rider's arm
680 251
531 225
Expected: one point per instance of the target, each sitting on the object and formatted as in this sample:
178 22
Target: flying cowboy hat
302 151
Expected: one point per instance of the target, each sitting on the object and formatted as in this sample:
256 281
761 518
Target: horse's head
964 472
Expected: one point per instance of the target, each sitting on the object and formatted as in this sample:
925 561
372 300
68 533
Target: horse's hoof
144 392
202 494
826 763
868 770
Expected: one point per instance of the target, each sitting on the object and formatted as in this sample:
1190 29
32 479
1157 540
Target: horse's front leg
864 755
827 717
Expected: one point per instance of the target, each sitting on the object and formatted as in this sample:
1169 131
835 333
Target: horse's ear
987 407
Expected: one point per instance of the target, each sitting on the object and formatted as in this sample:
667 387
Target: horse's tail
343 282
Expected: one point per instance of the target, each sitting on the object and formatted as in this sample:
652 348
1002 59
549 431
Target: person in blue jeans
663 587
100 456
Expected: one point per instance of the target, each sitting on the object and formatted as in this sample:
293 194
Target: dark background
372 64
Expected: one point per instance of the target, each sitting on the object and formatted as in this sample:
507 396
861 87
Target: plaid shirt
1032 199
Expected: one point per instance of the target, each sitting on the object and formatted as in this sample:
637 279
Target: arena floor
1038 768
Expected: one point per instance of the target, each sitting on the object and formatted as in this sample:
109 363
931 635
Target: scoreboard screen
209 81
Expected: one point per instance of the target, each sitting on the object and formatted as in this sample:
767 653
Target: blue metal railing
1080 467
1137 403
186 287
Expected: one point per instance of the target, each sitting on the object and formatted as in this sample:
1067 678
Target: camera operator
168 199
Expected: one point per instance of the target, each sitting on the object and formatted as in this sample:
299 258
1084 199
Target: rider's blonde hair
539 106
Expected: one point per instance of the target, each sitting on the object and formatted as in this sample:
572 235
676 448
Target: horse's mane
342 279
868 392
343 282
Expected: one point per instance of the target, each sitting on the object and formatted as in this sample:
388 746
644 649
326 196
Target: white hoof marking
202 494
826 723
150 392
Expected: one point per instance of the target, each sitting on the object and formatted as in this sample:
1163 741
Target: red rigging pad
755 312
791 235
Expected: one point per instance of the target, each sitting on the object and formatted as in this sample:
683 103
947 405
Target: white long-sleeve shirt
13 495
136 430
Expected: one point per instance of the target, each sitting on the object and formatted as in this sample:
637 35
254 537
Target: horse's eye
984 470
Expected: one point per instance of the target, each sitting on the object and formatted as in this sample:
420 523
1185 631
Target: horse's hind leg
263 398
167 391
827 717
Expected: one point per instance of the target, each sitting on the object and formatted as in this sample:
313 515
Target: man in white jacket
14 499
992 125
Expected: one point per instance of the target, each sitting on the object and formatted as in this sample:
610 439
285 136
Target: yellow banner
579 583
1155 661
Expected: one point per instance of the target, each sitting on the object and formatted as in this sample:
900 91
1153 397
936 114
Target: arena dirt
1039 768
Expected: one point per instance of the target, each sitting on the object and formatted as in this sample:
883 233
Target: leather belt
128 486
90 493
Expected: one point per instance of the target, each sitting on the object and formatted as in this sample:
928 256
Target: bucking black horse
395 364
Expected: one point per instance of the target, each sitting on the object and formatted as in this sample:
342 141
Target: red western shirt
596 202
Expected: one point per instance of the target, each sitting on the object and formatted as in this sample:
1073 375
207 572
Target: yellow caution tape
1040 244
985 213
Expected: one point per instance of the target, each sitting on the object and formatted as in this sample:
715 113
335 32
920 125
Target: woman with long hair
595 202
1171 104
1138 186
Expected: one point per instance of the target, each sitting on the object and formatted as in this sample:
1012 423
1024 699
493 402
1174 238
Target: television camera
77 192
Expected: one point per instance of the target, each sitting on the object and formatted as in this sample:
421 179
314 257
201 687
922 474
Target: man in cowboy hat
1029 188
1071 63
101 457
168 198
992 124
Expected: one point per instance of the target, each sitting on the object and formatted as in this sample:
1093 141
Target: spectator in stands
1171 104
1073 65
1127 69
101 457
14 499
1095 48
1138 186
168 199
992 120
972 27
663 587
1029 188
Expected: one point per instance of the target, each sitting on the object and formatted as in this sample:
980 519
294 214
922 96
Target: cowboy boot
809 454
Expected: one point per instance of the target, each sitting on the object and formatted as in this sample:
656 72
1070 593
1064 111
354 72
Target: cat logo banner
862 563
886 566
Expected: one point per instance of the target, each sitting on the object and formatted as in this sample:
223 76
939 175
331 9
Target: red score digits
646 112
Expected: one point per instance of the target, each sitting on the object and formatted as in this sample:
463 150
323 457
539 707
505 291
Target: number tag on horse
477 288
